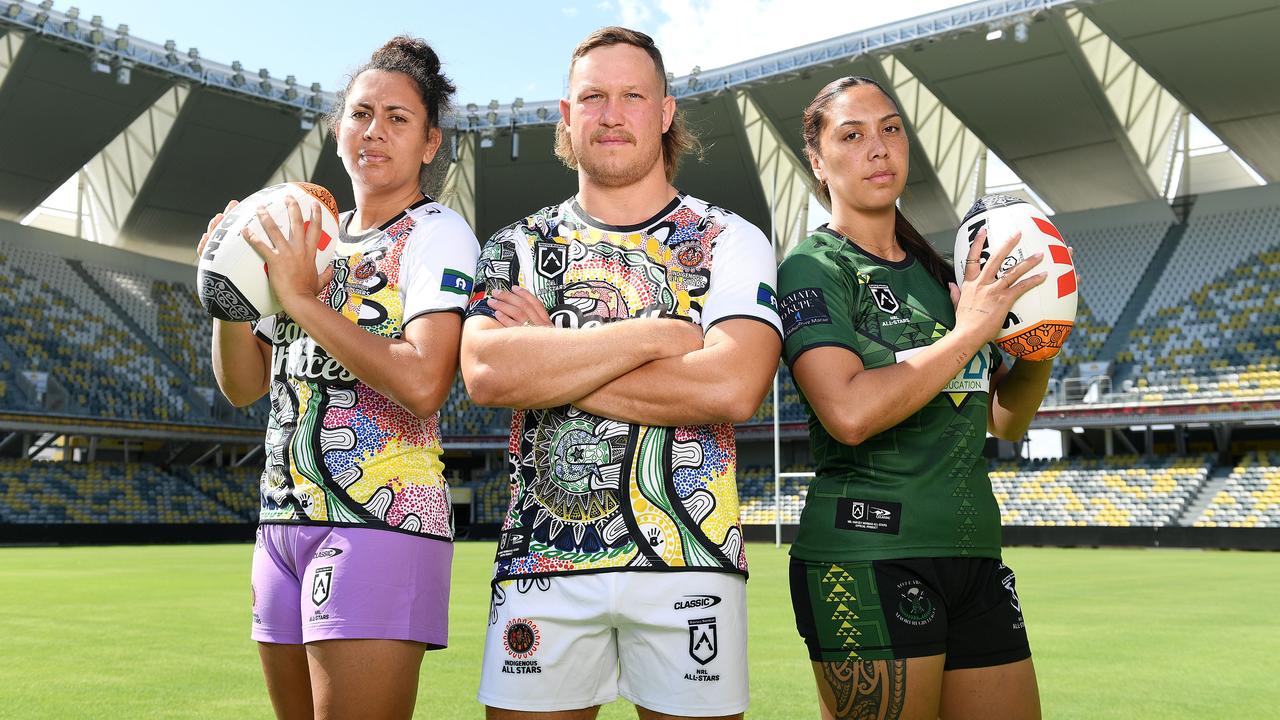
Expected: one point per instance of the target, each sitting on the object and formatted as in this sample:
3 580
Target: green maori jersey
919 489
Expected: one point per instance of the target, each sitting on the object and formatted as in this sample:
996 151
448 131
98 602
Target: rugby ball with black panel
1040 321
231 279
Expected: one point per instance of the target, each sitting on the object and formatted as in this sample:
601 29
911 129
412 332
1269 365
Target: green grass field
162 632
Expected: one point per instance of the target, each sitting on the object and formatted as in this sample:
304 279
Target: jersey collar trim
588 220
902 264
426 200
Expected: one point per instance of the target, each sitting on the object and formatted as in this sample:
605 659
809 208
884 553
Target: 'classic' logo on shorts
321 584
914 605
696 601
327 553
521 638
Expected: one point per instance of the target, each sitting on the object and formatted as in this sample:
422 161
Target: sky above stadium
493 49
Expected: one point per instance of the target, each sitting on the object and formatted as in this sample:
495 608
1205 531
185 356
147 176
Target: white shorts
672 642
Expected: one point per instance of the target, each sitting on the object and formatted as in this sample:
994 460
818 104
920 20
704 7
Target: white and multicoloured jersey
592 494
338 451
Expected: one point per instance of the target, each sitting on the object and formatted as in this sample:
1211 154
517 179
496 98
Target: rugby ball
231 278
1040 321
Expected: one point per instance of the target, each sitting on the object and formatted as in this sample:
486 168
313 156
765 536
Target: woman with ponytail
351 567
896 579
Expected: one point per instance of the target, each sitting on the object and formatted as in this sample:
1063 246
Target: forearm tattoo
866 689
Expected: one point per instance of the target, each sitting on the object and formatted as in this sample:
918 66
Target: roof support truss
784 180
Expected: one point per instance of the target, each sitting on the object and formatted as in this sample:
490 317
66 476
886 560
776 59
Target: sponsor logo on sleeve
877 516
456 282
802 308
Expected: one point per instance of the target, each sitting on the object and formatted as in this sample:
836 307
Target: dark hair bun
409 49
412 57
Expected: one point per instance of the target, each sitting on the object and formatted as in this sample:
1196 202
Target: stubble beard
615 173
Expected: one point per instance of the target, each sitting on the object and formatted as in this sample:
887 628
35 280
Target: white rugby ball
1041 320
231 278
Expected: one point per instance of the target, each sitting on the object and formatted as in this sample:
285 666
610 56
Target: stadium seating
460 417
1211 327
1118 491
54 492
78 341
1250 497
755 495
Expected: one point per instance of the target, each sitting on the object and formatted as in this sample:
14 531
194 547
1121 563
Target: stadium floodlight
493 104
72 24
100 62
171 52
492 117
122 37
290 88
264 83
517 104
13 10
542 113
42 16
693 77
1020 31
671 78
472 107
237 77
193 55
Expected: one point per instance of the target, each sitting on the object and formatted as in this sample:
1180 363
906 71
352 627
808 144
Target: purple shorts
317 582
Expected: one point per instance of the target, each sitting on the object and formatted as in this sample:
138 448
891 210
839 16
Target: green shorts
966 608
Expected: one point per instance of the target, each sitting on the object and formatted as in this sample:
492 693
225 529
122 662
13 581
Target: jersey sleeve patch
456 281
804 307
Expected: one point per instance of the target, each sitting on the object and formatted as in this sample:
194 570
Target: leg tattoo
866 689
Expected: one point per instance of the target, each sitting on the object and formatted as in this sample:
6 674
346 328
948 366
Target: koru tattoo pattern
865 689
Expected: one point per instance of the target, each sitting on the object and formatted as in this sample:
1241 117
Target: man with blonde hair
629 327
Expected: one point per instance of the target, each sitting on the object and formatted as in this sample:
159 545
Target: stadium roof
1089 103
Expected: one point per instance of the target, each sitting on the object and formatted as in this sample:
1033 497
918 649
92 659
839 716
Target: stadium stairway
199 406
1128 318
1213 484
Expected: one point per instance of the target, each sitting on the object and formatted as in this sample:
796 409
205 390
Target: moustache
613 135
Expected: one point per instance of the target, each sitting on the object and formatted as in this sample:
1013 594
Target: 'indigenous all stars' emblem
521 638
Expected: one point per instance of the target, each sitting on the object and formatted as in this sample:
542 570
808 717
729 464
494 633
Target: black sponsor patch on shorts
802 308
513 543
877 516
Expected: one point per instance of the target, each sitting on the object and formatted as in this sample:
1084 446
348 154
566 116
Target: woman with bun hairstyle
351 567
896 579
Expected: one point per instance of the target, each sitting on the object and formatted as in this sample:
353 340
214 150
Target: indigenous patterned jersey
338 451
589 493
919 489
